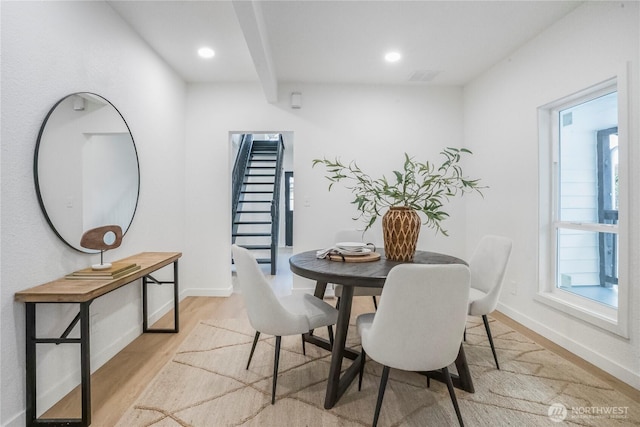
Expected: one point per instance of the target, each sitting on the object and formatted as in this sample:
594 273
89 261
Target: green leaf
423 186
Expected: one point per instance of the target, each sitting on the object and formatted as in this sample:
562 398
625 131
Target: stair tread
251 234
241 211
256 247
251 222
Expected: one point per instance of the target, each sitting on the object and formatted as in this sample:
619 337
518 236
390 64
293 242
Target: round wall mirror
86 168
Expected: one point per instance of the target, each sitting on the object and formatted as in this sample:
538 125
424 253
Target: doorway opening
262 195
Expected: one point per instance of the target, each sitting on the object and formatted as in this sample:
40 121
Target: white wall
371 124
51 49
500 109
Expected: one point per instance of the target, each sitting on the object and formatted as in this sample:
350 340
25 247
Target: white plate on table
351 245
354 248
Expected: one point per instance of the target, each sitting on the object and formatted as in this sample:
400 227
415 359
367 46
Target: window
585 221
607 157
581 188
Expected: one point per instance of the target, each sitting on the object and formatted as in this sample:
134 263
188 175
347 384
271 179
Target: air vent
423 75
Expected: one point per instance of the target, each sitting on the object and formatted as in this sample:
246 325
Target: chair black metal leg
253 347
338 303
375 302
452 393
363 356
275 370
464 336
330 331
304 350
493 349
383 386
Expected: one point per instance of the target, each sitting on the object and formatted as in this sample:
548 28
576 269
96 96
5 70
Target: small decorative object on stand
102 239
420 187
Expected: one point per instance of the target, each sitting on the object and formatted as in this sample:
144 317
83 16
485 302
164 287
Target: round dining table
361 274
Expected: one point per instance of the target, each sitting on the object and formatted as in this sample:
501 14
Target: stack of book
117 269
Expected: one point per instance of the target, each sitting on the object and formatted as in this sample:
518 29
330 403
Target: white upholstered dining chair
419 323
291 315
488 265
352 235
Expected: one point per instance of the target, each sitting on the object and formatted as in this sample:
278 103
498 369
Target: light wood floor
117 384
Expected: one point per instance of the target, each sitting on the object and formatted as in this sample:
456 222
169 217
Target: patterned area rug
206 384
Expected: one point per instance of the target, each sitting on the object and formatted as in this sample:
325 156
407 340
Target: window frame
606 317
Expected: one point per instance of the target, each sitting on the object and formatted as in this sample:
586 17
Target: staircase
257 176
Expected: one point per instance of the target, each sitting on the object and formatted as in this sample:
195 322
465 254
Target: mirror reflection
86 168
109 238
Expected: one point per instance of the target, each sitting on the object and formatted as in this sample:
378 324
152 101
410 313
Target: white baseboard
17 421
591 356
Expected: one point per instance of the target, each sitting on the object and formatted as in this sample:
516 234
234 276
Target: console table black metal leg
31 366
85 363
30 323
176 301
176 297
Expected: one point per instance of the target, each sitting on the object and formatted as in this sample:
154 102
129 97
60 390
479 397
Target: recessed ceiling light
392 57
206 52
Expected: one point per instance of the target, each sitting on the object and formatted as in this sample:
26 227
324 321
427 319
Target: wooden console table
83 292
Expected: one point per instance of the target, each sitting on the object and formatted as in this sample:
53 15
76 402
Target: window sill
588 311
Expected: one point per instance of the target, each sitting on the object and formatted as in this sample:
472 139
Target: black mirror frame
37 181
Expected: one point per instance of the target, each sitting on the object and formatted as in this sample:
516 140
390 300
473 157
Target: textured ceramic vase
400 227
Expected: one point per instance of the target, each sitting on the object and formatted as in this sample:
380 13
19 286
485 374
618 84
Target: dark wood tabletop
362 274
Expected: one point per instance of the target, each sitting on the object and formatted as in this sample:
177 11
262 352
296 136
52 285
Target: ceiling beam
249 15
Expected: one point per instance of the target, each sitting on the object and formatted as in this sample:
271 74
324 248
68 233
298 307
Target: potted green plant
419 187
